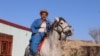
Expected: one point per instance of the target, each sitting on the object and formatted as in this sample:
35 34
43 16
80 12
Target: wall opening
6 44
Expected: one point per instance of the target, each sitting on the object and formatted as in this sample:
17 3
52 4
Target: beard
43 19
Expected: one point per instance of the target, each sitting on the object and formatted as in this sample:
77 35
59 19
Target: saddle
41 44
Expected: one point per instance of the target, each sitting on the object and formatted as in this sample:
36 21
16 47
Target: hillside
80 48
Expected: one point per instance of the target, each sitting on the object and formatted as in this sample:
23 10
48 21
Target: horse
51 45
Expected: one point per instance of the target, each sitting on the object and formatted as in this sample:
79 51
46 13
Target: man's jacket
36 25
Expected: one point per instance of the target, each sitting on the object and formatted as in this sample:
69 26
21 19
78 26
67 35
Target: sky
82 15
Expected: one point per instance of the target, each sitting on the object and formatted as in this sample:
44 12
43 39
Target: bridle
60 32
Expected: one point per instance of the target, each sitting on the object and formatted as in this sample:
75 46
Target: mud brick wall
80 48
82 51
90 50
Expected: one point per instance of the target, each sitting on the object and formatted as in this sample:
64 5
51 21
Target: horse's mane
61 18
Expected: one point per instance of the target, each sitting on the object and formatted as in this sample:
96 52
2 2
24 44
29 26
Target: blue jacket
36 35
36 25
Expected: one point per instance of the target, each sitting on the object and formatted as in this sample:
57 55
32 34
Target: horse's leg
27 51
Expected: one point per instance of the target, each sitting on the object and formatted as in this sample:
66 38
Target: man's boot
37 54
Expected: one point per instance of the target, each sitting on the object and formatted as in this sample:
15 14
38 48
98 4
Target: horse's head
62 27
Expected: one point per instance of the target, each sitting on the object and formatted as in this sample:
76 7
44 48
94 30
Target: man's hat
43 11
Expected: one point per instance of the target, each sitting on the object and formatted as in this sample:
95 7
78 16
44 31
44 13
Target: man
39 28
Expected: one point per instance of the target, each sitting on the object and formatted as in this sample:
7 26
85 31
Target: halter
63 28
59 32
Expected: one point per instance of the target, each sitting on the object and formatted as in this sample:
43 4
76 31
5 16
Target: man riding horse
39 28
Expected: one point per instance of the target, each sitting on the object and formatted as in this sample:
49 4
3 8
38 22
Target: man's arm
33 27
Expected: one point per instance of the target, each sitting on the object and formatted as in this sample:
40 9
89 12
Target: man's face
44 16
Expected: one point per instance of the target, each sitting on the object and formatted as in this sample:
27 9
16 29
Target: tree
95 34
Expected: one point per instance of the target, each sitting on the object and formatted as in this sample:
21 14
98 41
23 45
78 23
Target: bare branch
95 34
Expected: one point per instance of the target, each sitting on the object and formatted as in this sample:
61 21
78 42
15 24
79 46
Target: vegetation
95 33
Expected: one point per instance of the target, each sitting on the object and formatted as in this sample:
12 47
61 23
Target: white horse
52 43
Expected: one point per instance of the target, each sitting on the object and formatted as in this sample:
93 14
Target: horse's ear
57 19
55 24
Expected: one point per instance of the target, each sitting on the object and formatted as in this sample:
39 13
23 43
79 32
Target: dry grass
74 47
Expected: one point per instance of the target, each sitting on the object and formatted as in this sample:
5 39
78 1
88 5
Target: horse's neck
51 45
53 39
53 36
55 43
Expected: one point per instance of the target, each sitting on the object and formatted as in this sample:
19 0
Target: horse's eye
61 23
